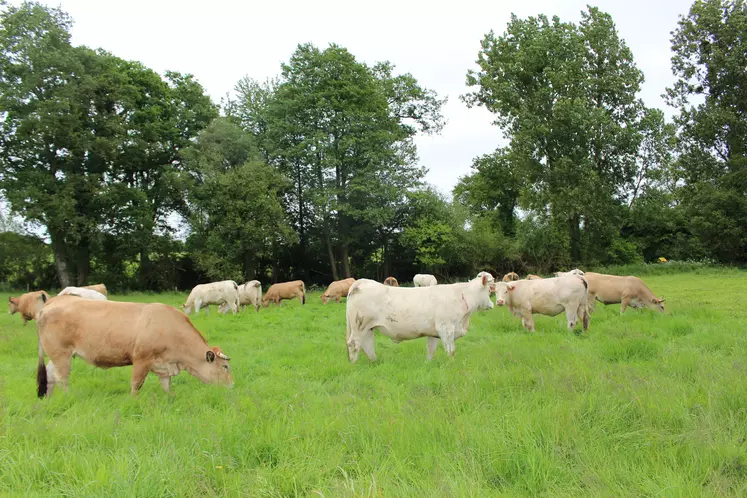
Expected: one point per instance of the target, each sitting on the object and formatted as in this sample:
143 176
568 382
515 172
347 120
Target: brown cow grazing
612 289
337 290
285 290
29 304
391 282
510 277
533 277
152 337
98 288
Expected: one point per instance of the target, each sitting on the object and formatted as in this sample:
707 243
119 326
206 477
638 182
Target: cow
510 277
575 271
285 290
533 277
424 280
337 290
225 292
250 293
548 296
152 337
28 305
629 291
98 288
391 281
436 312
83 292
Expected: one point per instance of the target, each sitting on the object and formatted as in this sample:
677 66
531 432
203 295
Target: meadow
643 404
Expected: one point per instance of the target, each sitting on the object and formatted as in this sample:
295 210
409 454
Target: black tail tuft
41 379
303 299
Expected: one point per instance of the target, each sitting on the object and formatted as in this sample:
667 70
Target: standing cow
424 280
629 291
337 290
152 337
250 293
391 282
285 290
548 296
225 294
436 312
28 305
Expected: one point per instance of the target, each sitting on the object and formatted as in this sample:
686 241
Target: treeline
314 174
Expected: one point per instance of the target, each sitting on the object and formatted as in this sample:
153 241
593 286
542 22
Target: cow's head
502 291
324 298
486 286
218 370
12 305
657 304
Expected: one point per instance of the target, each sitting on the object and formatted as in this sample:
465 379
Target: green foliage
236 214
25 261
643 404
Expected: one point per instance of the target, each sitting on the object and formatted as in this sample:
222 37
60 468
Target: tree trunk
301 226
575 236
64 272
83 262
144 269
345 260
330 252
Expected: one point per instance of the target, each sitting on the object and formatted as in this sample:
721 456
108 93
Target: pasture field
645 404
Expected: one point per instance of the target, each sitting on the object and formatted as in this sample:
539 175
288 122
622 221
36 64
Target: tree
236 214
565 96
709 48
342 133
89 142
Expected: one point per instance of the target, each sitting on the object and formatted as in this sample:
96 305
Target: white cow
400 313
82 292
250 293
424 280
549 296
225 294
575 271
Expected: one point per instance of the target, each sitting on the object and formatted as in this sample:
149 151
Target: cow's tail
587 317
303 293
41 370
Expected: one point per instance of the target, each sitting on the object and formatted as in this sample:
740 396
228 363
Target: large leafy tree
565 95
342 132
89 142
236 214
709 48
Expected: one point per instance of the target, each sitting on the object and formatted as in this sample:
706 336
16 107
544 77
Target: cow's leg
52 377
139 372
60 369
339 299
570 316
624 304
367 344
583 314
592 301
431 347
527 320
165 383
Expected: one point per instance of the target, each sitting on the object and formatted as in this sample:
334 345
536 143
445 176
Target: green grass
641 405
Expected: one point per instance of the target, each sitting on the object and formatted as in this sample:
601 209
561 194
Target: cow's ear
484 279
511 287
210 356
661 300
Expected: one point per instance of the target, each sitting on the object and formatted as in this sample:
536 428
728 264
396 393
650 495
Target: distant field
642 405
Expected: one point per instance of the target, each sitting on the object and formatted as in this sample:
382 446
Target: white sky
221 41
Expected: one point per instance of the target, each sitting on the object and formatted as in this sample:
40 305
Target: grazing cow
575 271
424 280
224 293
152 337
285 290
548 296
98 288
533 277
250 293
337 290
28 305
630 291
83 292
436 312
391 281
510 277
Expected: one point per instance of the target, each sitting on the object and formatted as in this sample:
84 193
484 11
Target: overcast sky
220 41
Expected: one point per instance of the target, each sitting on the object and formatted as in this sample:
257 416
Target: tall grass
643 404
